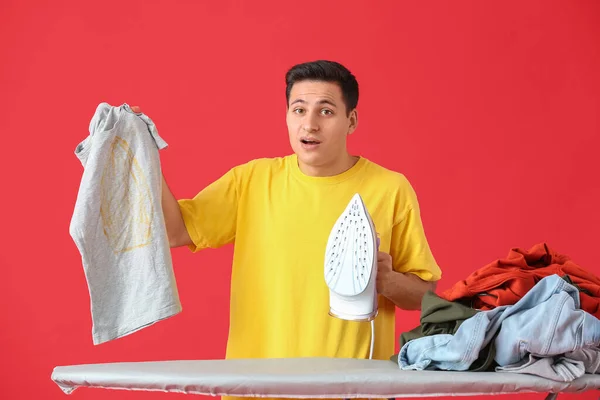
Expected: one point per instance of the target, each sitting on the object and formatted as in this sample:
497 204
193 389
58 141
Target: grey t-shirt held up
118 224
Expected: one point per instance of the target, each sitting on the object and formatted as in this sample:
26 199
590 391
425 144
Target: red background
489 108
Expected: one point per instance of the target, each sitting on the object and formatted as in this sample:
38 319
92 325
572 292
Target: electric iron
351 264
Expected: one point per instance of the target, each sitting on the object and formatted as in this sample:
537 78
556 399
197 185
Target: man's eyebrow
324 101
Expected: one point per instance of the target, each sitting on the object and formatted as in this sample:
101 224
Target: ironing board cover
304 378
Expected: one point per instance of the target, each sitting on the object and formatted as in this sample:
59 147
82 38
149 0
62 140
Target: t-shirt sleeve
210 217
409 248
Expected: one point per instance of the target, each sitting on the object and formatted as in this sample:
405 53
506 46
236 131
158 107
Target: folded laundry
505 281
546 322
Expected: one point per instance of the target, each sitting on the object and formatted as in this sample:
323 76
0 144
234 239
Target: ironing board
305 378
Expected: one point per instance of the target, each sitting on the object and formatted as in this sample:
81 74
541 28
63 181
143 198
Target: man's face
318 124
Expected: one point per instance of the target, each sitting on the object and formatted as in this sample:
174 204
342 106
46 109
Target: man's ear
353 121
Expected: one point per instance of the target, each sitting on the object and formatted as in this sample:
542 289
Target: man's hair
326 71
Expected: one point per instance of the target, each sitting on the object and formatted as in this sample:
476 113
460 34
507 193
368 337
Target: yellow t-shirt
280 220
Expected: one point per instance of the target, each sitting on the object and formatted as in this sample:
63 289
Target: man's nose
310 123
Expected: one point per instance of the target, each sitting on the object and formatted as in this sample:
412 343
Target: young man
280 211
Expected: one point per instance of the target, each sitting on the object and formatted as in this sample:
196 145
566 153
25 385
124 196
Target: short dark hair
326 71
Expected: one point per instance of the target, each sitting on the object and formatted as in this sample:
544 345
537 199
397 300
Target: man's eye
298 111
327 112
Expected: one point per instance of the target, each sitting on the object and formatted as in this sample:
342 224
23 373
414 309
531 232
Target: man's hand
136 109
405 290
384 272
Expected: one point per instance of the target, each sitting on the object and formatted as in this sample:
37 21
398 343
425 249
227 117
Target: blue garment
547 321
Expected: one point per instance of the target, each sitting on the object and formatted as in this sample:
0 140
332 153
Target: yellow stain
125 205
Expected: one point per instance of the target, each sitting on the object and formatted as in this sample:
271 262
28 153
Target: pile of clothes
534 312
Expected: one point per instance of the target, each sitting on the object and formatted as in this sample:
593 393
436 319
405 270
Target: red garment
505 281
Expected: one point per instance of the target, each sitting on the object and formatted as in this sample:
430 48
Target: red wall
490 108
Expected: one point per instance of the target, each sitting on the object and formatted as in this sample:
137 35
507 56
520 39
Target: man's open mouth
309 141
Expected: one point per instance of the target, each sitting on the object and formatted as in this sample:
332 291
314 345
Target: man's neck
339 166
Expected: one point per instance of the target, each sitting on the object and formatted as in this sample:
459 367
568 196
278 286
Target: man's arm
176 230
408 269
405 290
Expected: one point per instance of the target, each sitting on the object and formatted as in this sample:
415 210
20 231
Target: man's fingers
136 109
381 256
